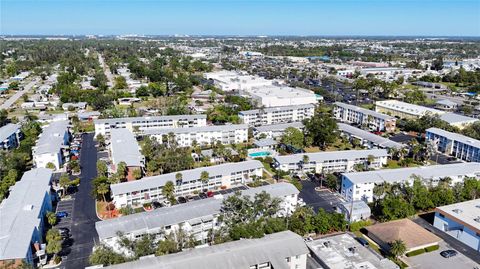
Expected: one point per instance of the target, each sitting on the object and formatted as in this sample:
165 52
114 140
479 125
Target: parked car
448 253
61 214
182 200
156 204
64 232
202 195
362 241
167 203
210 194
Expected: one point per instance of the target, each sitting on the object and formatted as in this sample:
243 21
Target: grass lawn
312 149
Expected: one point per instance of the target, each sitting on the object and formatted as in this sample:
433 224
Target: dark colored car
156 204
363 241
182 200
64 232
61 214
448 253
202 195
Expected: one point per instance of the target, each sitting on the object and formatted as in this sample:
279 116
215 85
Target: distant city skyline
241 17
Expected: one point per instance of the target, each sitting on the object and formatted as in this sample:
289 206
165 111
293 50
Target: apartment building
22 218
284 250
277 115
359 185
275 96
52 145
10 136
205 135
459 146
196 218
220 176
404 110
229 81
372 120
461 221
273 131
367 139
103 126
332 161
124 148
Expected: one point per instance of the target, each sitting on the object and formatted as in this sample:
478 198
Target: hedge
432 248
415 252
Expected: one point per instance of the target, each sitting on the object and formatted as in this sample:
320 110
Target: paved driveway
323 199
66 206
433 260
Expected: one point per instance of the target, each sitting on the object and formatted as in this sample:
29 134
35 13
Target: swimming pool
259 154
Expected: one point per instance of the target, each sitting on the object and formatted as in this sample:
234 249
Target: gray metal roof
425 172
7 130
454 136
358 206
188 175
376 139
51 138
161 217
273 248
265 142
151 118
274 109
279 127
453 118
20 213
125 148
364 111
331 155
446 102
201 129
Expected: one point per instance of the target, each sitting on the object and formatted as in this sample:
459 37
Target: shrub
415 252
432 248
357 225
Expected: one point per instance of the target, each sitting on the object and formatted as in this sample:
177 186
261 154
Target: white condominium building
229 81
220 176
463 147
124 148
10 136
284 250
274 96
404 110
205 135
359 185
368 139
372 120
134 124
196 218
277 115
52 144
275 130
332 161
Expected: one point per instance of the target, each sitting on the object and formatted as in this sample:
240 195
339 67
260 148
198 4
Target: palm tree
178 179
64 182
103 189
397 248
305 161
51 218
204 177
168 191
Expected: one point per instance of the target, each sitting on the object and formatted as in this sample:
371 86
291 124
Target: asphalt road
84 215
454 243
10 101
323 199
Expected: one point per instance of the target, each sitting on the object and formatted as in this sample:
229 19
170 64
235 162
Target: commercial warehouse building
284 250
372 120
456 145
10 136
220 176
52 145
461 221
332 161
206 135
277 115
359 185
103 126
196 218
22 218
124 148
274 96
229 81
275 130
367 139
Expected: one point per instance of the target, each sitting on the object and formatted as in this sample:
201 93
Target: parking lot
433 260
318 199
65 206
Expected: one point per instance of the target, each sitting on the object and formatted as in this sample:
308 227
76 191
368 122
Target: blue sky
242 17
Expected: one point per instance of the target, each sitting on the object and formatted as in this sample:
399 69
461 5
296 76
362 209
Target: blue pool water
259 154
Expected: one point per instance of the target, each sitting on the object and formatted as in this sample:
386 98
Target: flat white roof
150 118
125 148
7 130
425 172
376 139
453 118
20 213
408 108
332 155
200 129
467 212
51 138
277 109
364 111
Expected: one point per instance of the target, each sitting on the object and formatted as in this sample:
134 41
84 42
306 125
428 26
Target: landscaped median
422 250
